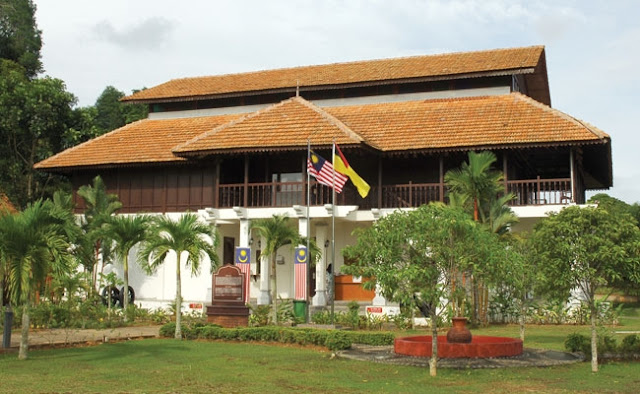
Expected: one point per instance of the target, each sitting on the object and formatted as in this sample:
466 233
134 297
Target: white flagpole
333 233
308 289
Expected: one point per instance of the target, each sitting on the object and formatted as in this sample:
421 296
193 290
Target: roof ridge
351 62
334 64
250 115
91 141
594 130
329 118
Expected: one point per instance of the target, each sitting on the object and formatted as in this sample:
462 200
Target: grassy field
167 365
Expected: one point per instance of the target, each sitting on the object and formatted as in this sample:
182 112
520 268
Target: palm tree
125 232
100 206
188 235
476 181
276 233
33 245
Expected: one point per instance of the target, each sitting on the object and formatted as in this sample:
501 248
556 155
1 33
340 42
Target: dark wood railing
285 194
540 191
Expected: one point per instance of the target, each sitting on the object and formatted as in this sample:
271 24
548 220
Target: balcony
285 194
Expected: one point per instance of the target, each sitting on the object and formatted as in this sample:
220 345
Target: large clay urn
459 333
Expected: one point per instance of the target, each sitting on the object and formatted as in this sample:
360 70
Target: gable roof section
144 141
465 123
285 125
490 122
6 207
527 60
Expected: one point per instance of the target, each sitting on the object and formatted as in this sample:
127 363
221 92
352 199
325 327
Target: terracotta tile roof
446 124
145 141
5 205
512 119
284 125
514 60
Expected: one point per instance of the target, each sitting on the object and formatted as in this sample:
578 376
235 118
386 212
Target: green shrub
337 340
578 343
321 317
260 315
371 338
607 343
630 344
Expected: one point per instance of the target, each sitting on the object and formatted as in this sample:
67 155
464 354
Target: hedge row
332 339
630 344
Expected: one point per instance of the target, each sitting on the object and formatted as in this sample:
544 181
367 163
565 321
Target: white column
245 224
320 299
264 298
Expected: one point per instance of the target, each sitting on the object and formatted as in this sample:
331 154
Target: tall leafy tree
277 233
125 232
111 113
586 249
20 39
414 255
34 114
33 244
100 206
188 237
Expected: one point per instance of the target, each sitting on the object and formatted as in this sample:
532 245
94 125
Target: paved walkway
529 358
69 336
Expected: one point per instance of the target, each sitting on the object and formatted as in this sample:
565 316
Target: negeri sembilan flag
323 171
342 166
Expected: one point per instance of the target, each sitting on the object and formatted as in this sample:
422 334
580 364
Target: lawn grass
167 365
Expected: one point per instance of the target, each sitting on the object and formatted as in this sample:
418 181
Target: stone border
529 358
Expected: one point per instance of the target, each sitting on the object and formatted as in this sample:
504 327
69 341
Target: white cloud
148 35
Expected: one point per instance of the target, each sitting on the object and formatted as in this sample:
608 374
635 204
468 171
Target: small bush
630 344
260 315
337 340
578 343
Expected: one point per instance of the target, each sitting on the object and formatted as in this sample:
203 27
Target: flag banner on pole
342 166
322 170
243 261
300 273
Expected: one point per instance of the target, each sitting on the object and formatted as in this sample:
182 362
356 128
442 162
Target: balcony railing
541 191
285 194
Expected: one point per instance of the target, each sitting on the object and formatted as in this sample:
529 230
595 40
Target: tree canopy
586 248
414 256
20 39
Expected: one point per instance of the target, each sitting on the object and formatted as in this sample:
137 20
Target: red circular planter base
480 347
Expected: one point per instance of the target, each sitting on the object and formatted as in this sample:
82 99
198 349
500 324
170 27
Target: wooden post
379 182
216 196
246 181
441 178
505 172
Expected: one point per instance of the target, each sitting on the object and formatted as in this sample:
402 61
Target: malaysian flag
323 171
300 273
243 261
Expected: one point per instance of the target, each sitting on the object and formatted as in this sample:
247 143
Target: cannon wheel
115 296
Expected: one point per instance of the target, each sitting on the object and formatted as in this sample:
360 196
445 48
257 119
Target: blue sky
592 47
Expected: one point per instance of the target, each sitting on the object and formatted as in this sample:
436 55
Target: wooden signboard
228 285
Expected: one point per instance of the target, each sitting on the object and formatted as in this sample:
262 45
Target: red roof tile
497 61
145 141
445 124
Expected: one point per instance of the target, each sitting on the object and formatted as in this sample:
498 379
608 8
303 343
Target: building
233 148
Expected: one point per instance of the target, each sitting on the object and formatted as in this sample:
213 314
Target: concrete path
70 336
